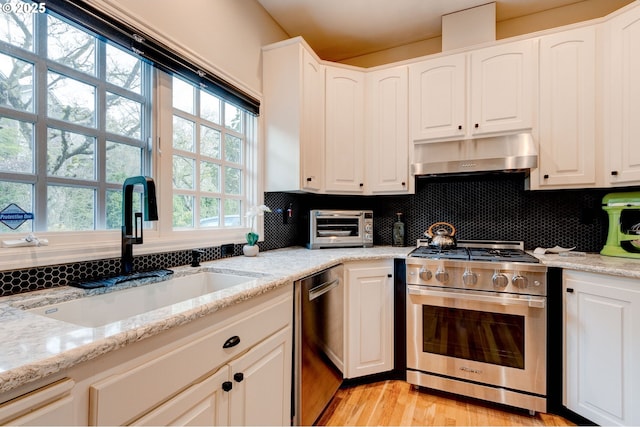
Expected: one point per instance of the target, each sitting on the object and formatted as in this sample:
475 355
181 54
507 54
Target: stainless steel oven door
480 337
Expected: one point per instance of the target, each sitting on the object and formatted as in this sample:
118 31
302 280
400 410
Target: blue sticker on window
13 216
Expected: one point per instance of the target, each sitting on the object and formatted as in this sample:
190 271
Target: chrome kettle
443 236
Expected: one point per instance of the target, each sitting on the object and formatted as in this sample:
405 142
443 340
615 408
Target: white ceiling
341 29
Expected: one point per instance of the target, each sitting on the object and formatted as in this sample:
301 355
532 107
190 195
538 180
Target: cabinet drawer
50 405
122 398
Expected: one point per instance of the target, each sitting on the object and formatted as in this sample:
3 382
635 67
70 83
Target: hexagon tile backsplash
489 207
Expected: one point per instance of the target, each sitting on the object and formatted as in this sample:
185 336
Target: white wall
226 36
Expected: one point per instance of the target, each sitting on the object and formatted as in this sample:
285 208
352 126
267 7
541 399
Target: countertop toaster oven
340 229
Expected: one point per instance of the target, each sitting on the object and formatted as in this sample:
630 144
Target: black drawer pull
227 385
238 377
570 290
231 342
614 173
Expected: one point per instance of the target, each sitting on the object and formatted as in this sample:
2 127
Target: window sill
96 245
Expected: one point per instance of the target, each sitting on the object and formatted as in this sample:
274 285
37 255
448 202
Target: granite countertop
34 347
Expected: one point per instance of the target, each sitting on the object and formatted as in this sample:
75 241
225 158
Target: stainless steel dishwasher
318 343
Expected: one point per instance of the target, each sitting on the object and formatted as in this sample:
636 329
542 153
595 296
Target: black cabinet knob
404 183
546 176
361 185
570 290
309 179
460 127
227 386
614 173
238 377
231 342
477 126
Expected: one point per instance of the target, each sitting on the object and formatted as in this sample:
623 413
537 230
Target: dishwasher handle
323 288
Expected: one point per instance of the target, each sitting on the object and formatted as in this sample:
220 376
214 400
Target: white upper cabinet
294 90
502 88
387 131
485 92
438 98
622 120
344 138
568 124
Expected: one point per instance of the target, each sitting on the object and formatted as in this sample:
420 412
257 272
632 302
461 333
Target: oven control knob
442 276
500 280
425 274
519 281
469 278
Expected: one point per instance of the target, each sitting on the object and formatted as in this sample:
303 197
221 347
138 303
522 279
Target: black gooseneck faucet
130 235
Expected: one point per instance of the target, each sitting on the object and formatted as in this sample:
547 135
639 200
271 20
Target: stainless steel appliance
340 229
318 343
516 152
476 322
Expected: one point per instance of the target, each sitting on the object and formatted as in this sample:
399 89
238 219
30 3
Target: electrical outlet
226 250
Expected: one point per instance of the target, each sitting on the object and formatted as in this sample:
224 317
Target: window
74 122
208 163
79 113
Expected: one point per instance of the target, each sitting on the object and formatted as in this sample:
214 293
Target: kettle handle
453 229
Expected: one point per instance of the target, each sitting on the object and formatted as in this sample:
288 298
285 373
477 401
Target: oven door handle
534 302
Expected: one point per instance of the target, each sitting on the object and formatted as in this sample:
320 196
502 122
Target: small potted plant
251 249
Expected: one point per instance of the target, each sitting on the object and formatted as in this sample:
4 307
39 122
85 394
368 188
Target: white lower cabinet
230 367
261 391
50 405
237 393
238 373
602 347
205 403
369 318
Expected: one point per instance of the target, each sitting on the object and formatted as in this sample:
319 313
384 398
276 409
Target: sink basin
111 307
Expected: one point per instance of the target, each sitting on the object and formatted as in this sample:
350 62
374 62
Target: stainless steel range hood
509 153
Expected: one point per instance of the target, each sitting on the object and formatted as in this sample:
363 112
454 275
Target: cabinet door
312 126
293 91
203 404
624 109
261 393
388 151
369 319
502 83
344 130
437 88
602 341
567 108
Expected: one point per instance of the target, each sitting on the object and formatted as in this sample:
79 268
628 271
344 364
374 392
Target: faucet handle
195 257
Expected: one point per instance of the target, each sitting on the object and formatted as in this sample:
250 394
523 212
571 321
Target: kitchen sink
118 305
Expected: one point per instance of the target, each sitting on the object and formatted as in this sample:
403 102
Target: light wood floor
396 403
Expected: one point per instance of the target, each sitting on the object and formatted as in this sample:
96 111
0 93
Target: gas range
476 322
496 266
